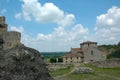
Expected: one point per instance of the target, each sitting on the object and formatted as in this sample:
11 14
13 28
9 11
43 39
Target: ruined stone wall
111 63
56 66
3 25
11 39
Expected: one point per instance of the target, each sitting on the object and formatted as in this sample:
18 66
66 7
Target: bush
53 60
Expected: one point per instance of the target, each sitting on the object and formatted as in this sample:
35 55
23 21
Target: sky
58 25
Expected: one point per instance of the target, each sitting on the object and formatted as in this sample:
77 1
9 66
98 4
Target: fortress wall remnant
3 25
11 39
110 63
8 39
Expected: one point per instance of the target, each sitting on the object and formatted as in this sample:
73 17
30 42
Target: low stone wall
110 63
82 70
56 66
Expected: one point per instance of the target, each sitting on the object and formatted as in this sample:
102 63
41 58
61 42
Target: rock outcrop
22 63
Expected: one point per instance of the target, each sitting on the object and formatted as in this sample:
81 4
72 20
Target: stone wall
111 63
11 39
56 66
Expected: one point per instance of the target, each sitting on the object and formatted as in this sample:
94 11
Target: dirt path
62 76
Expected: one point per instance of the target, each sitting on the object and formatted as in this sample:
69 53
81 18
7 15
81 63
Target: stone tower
3 25
88 44
3 29
8 39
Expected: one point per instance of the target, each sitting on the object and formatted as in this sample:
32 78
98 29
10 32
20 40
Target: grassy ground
60 71
98 74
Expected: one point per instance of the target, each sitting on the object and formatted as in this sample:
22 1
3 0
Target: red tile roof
72 55
76 49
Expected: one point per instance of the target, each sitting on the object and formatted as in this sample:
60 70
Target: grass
60 71
98 74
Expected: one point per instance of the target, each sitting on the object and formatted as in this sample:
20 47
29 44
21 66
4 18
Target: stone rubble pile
83 70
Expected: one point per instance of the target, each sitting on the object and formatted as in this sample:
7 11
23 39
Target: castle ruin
8 39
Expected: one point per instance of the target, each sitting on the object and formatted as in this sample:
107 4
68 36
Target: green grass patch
98 74
60 71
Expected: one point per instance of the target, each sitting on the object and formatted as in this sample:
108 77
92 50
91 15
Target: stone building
87 53
75 56
91 53
8 39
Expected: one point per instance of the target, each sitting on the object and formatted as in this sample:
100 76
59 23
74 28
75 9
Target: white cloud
108 25
106 30
48 13
19 29
18 15
60 39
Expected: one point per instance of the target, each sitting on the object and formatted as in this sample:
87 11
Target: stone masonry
8 39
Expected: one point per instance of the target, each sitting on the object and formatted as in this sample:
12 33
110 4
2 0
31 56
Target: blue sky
58 25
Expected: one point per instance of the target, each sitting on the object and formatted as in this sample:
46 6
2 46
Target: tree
60 59
53 60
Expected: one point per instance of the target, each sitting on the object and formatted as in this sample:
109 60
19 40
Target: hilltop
113 51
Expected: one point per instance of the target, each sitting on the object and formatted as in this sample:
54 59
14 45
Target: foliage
53 60
48 55
113 50
116 53
60 59
53 56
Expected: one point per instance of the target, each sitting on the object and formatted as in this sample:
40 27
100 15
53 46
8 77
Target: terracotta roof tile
76 49
72 55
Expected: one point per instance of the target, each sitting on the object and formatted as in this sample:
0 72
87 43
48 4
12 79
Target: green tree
53 60
60 59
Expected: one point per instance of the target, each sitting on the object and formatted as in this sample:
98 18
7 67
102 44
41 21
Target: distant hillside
53 54
113 51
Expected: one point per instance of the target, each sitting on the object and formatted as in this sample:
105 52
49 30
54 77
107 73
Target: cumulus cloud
18 15
62 40
60 35
19 29
47 13
108 25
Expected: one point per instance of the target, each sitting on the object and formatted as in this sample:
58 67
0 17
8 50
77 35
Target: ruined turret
3 25
8 39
